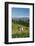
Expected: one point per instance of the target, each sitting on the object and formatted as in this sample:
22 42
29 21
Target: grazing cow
20 29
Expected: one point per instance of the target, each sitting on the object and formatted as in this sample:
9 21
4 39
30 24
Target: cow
20 28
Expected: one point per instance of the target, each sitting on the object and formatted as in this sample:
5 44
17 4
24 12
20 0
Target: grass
18 34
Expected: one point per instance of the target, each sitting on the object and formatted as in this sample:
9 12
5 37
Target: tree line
25 23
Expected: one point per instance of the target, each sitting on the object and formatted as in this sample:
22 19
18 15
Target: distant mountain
26 19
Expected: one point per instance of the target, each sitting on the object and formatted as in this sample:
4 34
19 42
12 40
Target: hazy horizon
20 17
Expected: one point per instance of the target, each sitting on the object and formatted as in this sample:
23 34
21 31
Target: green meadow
20 34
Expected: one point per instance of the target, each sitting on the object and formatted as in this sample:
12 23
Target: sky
20 12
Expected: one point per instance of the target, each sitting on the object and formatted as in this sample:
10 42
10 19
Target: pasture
18 34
